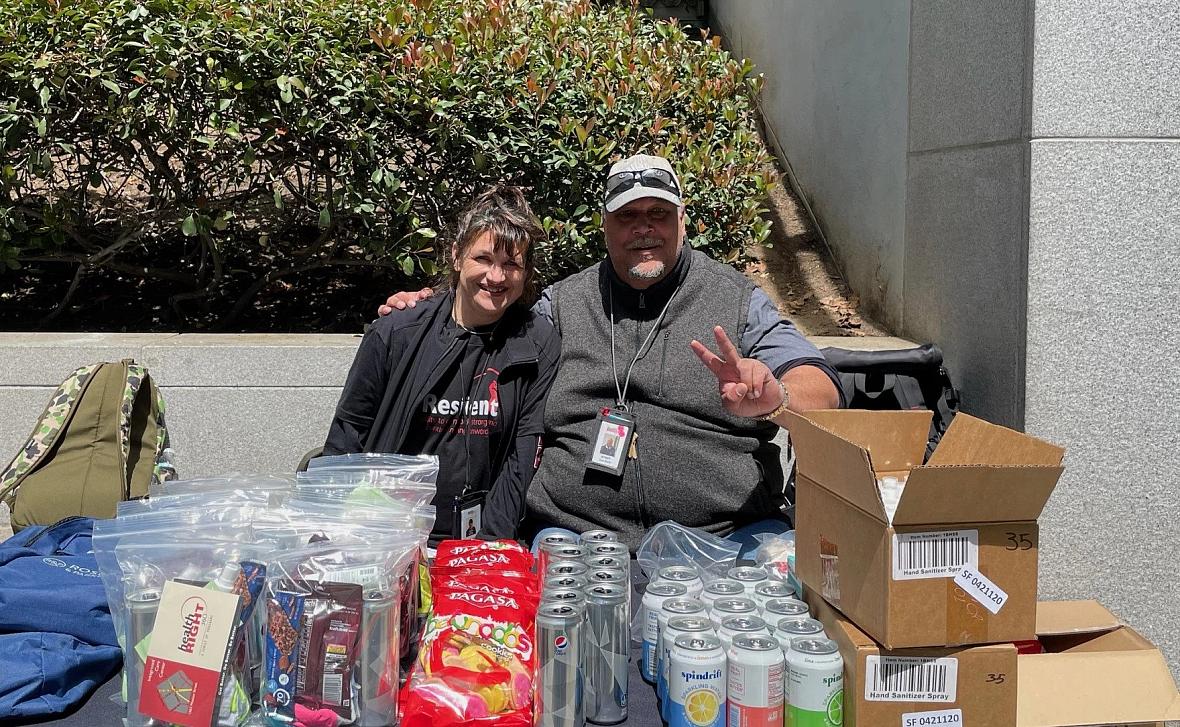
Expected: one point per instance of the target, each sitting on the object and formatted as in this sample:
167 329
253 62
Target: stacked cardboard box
926 602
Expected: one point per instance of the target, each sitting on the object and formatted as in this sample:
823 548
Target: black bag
912 378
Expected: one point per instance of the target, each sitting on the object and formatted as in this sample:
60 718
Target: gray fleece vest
698 464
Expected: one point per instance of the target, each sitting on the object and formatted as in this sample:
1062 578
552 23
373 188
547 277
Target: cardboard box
973 686
1095 671
958 564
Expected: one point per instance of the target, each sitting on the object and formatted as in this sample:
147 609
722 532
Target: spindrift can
721 588
673 608
815 684
676 626
559 687
769 590
723 608
598 536
607 643
696 682
684 575
790 628
755 684
735 625
749 576
653 600
778 608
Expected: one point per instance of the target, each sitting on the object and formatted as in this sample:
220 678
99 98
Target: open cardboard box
1094 671
973 686
958 563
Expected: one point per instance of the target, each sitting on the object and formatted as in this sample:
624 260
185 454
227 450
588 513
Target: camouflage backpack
100 440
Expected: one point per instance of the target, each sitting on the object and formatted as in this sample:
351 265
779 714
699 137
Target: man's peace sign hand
746 385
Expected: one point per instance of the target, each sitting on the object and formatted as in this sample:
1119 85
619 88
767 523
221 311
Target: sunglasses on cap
620 182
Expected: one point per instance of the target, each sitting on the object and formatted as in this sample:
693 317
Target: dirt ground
798 273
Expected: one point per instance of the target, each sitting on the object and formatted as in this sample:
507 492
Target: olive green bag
100 440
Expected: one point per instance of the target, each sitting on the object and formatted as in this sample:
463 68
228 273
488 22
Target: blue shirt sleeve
776 342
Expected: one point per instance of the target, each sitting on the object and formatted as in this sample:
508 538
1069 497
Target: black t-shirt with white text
459 420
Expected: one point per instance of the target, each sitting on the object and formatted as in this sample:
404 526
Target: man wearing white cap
696 440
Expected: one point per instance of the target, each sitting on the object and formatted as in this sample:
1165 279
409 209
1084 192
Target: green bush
213 148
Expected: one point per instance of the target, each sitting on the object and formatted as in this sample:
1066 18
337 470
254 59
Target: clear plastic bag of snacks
477 661
332 633
421 468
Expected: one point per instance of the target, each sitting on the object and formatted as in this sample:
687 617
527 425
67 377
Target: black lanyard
621 391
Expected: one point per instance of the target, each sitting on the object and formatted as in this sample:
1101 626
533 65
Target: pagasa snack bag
477 660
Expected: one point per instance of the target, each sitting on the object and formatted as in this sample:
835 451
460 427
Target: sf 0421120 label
937 718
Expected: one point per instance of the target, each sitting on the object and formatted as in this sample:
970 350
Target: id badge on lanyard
613 431
466 515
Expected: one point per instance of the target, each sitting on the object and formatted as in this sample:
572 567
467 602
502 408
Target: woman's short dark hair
503 211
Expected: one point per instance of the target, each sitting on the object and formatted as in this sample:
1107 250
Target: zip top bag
100 440
913 378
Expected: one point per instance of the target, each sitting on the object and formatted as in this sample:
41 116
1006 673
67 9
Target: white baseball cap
639 176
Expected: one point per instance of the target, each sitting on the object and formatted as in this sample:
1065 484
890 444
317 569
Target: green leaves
358 130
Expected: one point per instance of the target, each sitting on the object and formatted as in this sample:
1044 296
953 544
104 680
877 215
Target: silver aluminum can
607 575
757 676
548 544
619 550
564 595
378 660
723 608
685 575
749 576
560 681
677 626
815 683
565 568
777 609
569 551
573 583
598 536
141 619
734 625
698 663
771 589
653 600
595 561
607 645
791 628
721 588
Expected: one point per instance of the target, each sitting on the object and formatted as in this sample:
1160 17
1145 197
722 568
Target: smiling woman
464 375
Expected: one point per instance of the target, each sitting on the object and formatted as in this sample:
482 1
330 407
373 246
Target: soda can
675 607
560 682
814 684
378 661
568 551
734 625
676 626
736 606
594 561
794 627
777 609
572 583
721 588
607 644
684 575
607 575
653 601
696 682
141 619
547 543
769 590
565 568
619 550
564 595
756 682
598 536
749 576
